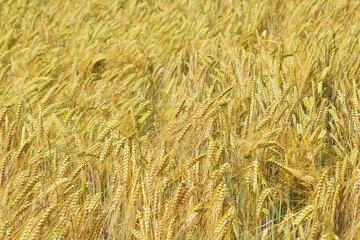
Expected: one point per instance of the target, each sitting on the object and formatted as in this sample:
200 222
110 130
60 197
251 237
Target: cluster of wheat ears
184 119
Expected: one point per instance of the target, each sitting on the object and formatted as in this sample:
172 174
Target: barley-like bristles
226 91
107 130
357 182
141 108
105 150
72 201
64 167
178 195
219 153
117 197
303 214
220 197
224 220
211 114
5 195
137 234
224 232
147 221
41 222
20 211
26 190
93 204
170 231
2 116
191 232
126 163
2 168
265 121
57 229
26 232
353 156
76 172
179 108
186 129
50 94
9 137
315 231
267 144
295 173
208 134
3 229
261 200
321 187
134 120
69 116
22 149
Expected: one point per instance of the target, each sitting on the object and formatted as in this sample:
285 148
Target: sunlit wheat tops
189 119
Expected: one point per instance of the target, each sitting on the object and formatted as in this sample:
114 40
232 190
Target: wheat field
186 119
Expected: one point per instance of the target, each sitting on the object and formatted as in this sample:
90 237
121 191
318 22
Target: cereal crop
186 119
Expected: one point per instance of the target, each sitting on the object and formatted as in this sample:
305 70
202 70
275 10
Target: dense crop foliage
188 119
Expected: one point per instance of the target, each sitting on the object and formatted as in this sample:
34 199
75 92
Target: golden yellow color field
183 119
